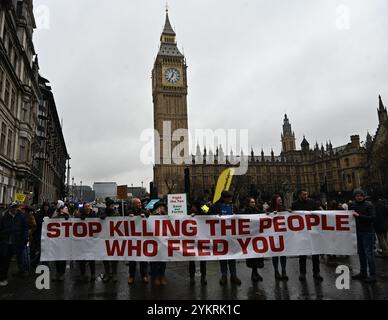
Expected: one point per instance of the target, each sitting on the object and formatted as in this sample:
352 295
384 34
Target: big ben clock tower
169 91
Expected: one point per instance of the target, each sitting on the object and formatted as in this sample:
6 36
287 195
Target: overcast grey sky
249 63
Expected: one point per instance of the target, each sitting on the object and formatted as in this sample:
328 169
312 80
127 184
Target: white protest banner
177 204
178 238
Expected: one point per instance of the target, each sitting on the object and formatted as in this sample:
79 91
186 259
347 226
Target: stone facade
21 104
169 91
321 170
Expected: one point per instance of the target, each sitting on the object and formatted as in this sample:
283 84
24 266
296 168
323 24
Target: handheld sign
122 192
177 204
20 197
223 183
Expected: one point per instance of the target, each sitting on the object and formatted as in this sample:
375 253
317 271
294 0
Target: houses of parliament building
317 168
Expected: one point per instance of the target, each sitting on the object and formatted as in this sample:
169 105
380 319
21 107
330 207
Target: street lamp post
81 193
72 188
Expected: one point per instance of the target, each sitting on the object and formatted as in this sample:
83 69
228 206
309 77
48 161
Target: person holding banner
87 213
110 267
254 263
138 211
305 204
62 212
277 206
31 222
365 214
196 210
39 216
158 269
225 207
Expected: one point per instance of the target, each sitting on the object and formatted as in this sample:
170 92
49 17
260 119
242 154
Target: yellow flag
223 183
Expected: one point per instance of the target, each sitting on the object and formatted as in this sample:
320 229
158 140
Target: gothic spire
168 30
381 105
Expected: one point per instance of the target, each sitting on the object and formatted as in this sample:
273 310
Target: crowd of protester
21 230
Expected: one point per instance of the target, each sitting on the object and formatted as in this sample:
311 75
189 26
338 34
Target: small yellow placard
205 209
20 197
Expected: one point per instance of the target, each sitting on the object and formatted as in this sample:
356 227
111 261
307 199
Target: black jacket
308 205
14 229
106 213
381 222
139 212
254 210
83 215
366 210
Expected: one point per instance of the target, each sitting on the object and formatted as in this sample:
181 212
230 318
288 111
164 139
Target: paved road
179 288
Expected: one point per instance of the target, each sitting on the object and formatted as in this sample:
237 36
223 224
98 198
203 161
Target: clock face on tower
172 75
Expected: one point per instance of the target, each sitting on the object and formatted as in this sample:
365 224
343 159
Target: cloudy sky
323 62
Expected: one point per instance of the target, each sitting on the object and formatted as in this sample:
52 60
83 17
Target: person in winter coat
158 269
61 212
39 215
254 263
275 207
110 267
31 222
197 211
365 214
138 211
225 207
87 213
305 204
381 227
13 241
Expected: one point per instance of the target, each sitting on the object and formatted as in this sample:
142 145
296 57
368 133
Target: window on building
3 138
25 113
10 144
23 149
13 102
347 162
7 92
2 74
6 38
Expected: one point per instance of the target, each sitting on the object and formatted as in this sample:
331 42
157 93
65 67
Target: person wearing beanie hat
158 269
87 212
110 267
62 212
364 212
226 207
137 210
40 215
196 210
359 192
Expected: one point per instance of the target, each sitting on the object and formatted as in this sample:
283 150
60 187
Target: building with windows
105 189
320 169
24 152
83 194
